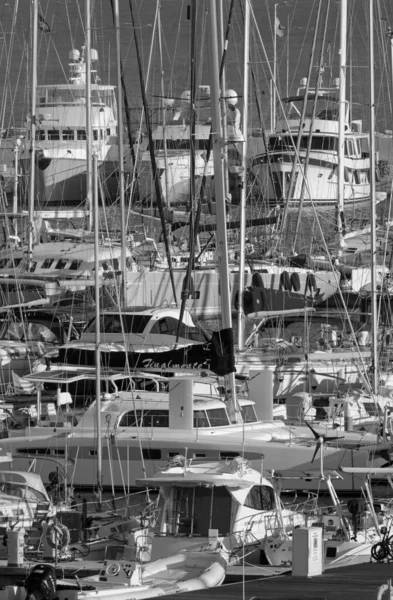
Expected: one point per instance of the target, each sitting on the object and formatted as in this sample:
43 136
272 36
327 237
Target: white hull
122 464
321 179
153 288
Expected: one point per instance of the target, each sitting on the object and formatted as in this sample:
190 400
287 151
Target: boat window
115 264
260 497
150 418
218 417
81 134
95 135
135 323
15 262
108 131
200 419
373 409
61 263
248 413
3 263
48 262
151 454
40 135
33 266
228 455
68 134
33 450
53 134
74 266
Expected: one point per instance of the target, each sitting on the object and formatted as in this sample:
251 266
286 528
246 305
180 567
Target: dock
358 582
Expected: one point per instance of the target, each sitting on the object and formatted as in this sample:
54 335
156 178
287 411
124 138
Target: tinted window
248 413
200 419
218 417
260 497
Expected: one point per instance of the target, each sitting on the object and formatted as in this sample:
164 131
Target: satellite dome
231 97
74 54
93 55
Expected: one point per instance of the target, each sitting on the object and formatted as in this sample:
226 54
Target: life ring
113 569
295 282
285 281
58 536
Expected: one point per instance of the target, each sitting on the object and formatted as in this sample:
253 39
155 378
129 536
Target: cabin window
373 409
61 263
40 135
3 263
15 262
228 455
42 451
151 418
151 454
248 413
95 134
33 266
48 262
74 266
58 451
260 497
200 419
115 264
199 509
132 323
68 134
53 134
80 134
108 131
218 417
92 452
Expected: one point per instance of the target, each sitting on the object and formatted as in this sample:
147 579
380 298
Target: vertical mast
374 316
98 329
120 145
341 120
274 87
243 197
32 135
89 176
222 245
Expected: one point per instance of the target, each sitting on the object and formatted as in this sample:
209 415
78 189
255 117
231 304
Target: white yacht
172 147
61 135
316 176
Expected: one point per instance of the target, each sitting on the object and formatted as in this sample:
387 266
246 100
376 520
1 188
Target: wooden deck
360 582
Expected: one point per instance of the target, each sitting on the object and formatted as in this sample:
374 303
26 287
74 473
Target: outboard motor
40 584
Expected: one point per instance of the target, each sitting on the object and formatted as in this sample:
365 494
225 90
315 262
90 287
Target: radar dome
93 55
74 55
231 97
303 81
336 82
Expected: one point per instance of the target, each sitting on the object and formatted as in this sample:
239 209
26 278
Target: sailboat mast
120 145
341 120
33 124
89 136
373 219
221 237
98 327
243 197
